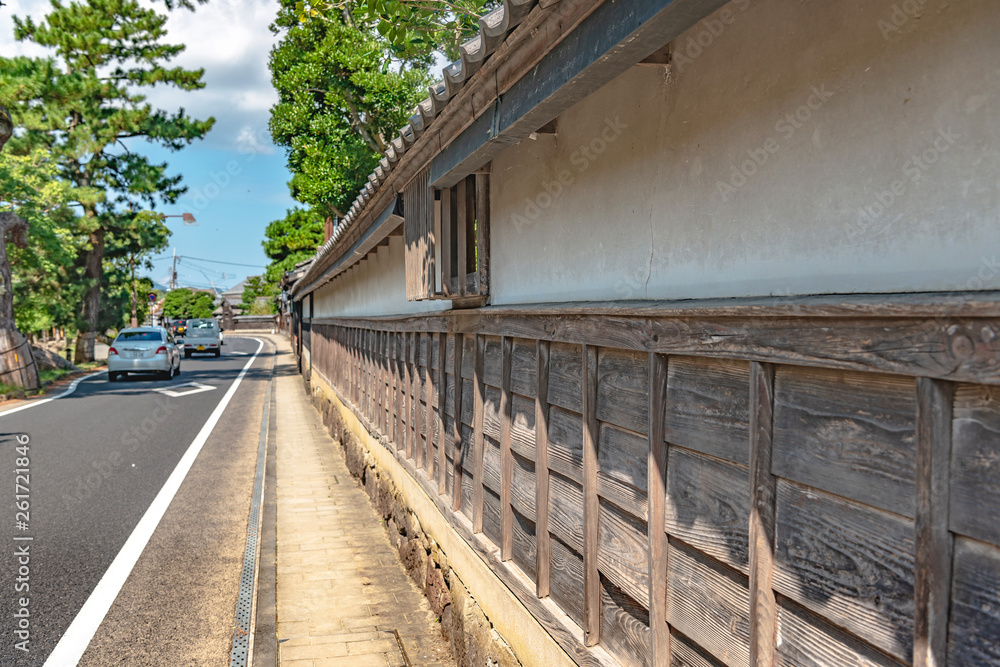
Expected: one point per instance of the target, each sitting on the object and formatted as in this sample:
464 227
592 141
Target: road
97 459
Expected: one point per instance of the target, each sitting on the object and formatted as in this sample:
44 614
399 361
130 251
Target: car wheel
112 376
187 354
177 371
218 353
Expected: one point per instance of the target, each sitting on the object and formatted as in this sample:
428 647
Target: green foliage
186 303
257 286
411 28
81 106
339 104
291 240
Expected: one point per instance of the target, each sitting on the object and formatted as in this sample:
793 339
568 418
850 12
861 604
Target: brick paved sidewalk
343 597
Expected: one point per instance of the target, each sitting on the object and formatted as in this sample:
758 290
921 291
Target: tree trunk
17 364
89 318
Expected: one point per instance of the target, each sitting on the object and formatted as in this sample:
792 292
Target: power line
215 261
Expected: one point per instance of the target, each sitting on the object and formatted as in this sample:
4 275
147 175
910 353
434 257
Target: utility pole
173 272
131 263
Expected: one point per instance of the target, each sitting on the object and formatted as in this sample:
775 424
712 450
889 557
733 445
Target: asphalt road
97 459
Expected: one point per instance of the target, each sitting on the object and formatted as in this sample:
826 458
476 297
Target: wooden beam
447 237
591 503
657 490
543 547
408 383
462 223
418 447
478 386
442 398
660 57
763 608
456 502
934 542
482 208
399 434
506 457
431 393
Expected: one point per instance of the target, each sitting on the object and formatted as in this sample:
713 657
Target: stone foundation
474 641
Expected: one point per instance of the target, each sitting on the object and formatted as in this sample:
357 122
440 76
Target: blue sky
236 178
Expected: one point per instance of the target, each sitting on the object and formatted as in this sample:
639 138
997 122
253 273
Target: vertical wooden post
934 543
506 458
398 435
477 436
380 357
657 486
408 384
447 240
482 234
460 233
442 400
763 608
591 503
456 502
543 558
418 391
429 426
369 383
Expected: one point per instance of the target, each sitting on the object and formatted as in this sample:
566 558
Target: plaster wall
793 147
374 287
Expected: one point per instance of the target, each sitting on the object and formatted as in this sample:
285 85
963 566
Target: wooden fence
807 485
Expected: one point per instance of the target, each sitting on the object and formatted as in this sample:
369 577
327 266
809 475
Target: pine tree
83 104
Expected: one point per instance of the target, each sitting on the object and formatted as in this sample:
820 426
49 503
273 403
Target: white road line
69 390
77 637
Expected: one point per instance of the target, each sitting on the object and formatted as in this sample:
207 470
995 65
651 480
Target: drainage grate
243 631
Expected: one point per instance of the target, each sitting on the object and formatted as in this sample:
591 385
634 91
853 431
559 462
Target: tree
83 105
184 303
256 287
291 240
412 28
339 104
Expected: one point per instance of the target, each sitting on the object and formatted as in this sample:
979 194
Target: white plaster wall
374 287
647 218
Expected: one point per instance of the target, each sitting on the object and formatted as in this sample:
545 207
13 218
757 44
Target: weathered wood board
850 563
624 626
974 631
847 433
975 463
708 406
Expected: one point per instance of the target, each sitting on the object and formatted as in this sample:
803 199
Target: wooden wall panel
622 389
566 443
848 562
806 640
524 544
468 356
708 406
522 418
468 404
974 631
491 465
848 433
524 373
491 362
685 653
566 511
623 456
709 603
467 495
708 505
522 488
565 377
623 551
567 579
491 515
491 413
624 626
975 463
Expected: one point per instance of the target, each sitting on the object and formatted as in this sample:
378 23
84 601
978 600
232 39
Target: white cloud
228 38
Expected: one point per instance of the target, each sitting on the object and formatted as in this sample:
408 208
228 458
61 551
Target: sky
236 177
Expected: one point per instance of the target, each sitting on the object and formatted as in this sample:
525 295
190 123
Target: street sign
152 296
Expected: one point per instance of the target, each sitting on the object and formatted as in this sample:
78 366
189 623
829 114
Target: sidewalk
343 598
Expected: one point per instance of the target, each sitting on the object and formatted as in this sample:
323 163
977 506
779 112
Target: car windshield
207 324
133 336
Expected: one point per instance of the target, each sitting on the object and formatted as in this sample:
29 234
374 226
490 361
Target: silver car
203 335
144 350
